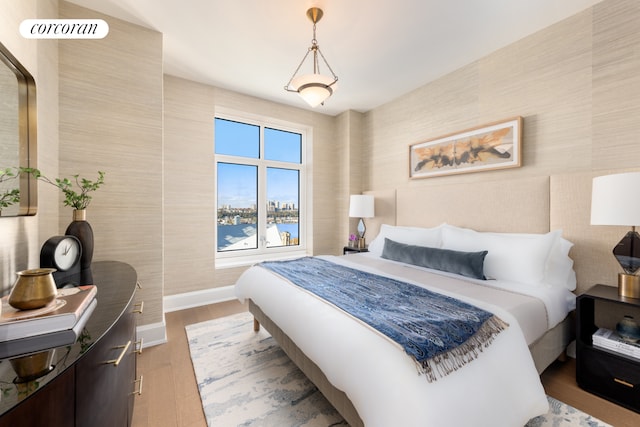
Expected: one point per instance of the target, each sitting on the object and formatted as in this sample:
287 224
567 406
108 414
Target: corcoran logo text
64 28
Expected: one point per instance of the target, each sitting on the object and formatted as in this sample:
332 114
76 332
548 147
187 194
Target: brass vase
33 289
33 366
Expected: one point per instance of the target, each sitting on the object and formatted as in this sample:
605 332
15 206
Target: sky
237 183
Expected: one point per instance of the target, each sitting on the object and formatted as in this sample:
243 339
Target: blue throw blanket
439 332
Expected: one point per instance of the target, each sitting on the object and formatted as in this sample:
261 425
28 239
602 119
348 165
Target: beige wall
616 85
545 78
575 83
22 236
189 180
349 129
111 120
577 86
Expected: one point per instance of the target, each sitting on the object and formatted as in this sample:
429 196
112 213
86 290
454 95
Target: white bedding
500 388
558 301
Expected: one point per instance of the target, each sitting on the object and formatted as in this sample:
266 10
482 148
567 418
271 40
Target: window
260 186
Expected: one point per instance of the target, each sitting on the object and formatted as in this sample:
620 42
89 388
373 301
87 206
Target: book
36 343
60 314
610 340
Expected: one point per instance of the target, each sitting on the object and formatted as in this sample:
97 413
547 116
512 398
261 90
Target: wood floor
170 394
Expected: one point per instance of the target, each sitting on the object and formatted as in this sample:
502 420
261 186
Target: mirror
18 192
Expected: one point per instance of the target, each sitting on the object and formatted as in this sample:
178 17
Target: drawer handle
139 307
139 345
623 382
139 390
124 348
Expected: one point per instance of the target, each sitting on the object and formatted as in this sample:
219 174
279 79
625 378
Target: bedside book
59 315
610 340
23 346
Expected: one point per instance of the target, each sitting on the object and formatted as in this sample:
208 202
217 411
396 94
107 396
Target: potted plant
79 198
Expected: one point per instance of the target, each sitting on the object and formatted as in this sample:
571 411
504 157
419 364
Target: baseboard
571 349
153 334
198 298
156 333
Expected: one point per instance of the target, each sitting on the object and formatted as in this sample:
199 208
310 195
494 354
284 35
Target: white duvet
500 388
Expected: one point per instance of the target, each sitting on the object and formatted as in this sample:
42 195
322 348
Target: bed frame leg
562 357
256 325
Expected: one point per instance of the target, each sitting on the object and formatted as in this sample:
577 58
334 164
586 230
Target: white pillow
560 267
408 235
516 257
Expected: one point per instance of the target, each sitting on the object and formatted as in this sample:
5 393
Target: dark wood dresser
93 381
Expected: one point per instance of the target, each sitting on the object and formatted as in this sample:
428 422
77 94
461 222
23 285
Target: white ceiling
380 49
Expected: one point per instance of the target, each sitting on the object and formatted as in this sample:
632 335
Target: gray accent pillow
468 264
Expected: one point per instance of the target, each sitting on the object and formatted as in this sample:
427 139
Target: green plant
78 199
9 173
11 196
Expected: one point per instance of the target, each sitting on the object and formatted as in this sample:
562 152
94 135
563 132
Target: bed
370 379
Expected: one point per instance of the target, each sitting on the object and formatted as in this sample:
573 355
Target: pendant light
314 88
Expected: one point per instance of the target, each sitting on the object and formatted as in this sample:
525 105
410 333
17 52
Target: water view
243 236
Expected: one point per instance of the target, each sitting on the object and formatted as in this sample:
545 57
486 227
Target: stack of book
610 340
57 324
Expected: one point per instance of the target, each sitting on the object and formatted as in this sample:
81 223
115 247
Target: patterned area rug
246 379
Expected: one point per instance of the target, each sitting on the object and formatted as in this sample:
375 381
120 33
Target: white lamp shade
314 88
615 201
361 206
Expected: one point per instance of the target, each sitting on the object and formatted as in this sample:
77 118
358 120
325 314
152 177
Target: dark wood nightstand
352 249
608 374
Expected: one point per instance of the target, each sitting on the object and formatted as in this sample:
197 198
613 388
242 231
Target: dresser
93 381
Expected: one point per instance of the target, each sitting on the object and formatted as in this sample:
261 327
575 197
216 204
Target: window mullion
262 210
262 207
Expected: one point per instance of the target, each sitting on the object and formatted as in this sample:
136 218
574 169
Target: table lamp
614 202
361 206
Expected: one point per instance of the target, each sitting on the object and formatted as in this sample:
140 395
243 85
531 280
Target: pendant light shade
314 87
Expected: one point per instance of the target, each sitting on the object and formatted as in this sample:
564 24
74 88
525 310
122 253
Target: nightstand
352 249
608 374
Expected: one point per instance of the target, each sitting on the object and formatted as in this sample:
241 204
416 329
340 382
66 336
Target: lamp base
628 285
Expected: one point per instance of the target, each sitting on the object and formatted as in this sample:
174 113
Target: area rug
246 379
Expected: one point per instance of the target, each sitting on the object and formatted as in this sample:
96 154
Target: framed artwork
489 147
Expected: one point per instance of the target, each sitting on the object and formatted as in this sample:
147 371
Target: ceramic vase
81 229
628 329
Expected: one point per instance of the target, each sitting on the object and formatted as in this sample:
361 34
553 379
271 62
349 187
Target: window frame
305 232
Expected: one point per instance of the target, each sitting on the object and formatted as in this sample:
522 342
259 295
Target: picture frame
488 147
